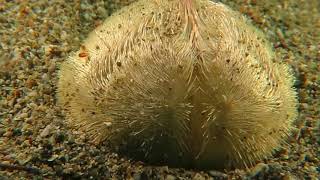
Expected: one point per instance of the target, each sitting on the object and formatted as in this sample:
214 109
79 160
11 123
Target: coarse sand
37 35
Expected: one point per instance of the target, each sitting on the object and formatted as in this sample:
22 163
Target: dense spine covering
188 83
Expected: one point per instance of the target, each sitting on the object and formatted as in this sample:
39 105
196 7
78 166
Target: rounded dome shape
180 82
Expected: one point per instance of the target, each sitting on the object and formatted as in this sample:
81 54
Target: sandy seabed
36 36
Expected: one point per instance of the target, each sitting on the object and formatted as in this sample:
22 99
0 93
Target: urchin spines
227 77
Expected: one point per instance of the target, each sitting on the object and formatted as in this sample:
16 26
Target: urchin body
188 83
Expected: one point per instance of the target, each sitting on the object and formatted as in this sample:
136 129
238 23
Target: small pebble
259 168
217 174
46 131
170 177
198 177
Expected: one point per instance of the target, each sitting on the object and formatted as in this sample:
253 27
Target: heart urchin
182 82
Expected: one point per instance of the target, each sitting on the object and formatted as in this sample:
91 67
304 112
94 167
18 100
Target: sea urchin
182 82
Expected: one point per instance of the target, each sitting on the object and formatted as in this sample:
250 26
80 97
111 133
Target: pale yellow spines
187 83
